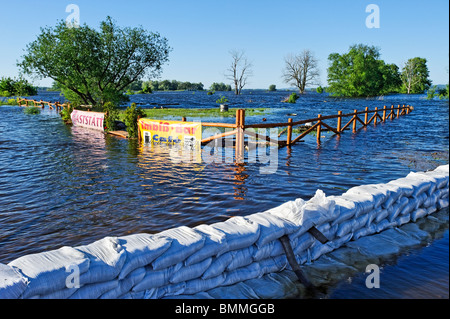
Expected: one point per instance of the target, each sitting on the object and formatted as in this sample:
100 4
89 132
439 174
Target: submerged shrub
32 110
111 115
131 116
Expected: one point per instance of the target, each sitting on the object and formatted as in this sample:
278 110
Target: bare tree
301 70
239 70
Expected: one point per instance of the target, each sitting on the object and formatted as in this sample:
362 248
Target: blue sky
202 33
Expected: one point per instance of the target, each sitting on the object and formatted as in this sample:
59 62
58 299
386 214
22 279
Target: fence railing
309 125
51 105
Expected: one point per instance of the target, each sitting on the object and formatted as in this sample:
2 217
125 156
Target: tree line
94 66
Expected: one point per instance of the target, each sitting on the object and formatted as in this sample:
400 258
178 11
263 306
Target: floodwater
62 185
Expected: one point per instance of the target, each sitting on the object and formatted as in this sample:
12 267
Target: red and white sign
92 120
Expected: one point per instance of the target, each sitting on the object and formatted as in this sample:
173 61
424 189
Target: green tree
272 88
220 87
95 66
415 76
360 73
319 90
16 87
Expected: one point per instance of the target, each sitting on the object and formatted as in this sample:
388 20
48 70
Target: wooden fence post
240 123
392 112
384 113
339 121
376 115
354 121
319 128
289 133
366 116
398 111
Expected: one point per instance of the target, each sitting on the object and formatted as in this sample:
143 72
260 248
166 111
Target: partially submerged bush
131 116
32 110
111 115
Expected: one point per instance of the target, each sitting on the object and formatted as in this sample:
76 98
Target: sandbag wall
187 260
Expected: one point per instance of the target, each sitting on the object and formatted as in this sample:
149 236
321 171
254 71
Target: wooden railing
57 105
309 125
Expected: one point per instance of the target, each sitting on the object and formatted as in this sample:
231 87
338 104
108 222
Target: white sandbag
440 178
303 243
364 201
365 231
403 219
215 244
64 293
382 214
198 285
47 272
385 224
95 290
241 258
397 208
12 283
106 258
272 249
442 203
431 200
372 215
420 199
379 192
164 291
316 211
237 291
271 227
404 185
273 264
289 210
319 249
218 265
344 209
360 222
418 213
190 272
125 285
408 208
156 278
141 250
431 209
248 272
239 232
185 242
444 169
422 183
133 295
394 192
345 228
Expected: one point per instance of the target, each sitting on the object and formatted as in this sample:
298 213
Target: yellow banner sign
171 132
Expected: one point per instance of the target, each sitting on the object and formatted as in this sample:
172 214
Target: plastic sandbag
169 290
106 257
382 214
95 290
444 169
316 211
241 258
379 192
271 227
397 208
403 219
418 213
344 209
365 231
404 186
125 285
156 278
363 200
303 243
198 285
251 271
240 232
215 244
431 200
141 250
185 242
218 265
345 227
47 272
272 249
441 178
12 283
190 272
442 203
385 224
289 210
422 183
273 264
